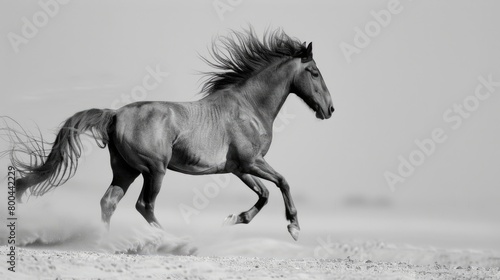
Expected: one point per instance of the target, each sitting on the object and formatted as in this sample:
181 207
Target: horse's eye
314 72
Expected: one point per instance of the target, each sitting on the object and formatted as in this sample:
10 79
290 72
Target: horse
228 130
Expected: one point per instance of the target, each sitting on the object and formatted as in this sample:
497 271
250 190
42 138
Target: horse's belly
197 161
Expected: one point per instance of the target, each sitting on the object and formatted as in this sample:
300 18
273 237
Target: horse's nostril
331 109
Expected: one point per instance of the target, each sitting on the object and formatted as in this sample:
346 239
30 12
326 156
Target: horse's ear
304 44
308 55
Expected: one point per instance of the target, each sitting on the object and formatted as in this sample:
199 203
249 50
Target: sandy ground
63 243
55 264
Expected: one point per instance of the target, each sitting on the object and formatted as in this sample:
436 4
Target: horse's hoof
230 220
294 231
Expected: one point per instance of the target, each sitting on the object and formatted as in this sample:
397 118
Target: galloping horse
229 130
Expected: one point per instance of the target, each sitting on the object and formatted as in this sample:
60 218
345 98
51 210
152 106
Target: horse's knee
282 183
285 188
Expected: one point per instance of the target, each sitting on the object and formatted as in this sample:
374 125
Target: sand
64 244
56 264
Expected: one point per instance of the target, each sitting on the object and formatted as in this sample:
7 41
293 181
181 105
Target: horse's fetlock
264 200
149 206
245 219
140 206
291 213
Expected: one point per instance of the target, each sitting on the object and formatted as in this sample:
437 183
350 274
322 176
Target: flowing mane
239 55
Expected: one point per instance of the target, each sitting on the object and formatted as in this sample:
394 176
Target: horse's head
309 85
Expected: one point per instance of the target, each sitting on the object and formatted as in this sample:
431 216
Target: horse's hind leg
123 176
258 187
146 202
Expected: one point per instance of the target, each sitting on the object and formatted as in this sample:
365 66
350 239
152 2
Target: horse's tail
52 170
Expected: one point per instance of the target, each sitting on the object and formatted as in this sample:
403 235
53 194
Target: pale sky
393 92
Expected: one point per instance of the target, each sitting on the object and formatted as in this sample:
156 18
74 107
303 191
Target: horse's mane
240 54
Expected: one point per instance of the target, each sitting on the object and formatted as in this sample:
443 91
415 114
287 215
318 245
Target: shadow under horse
229 130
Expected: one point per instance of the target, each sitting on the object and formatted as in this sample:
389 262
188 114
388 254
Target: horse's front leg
262 169
258 187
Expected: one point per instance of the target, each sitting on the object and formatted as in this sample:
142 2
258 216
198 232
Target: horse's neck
268 91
